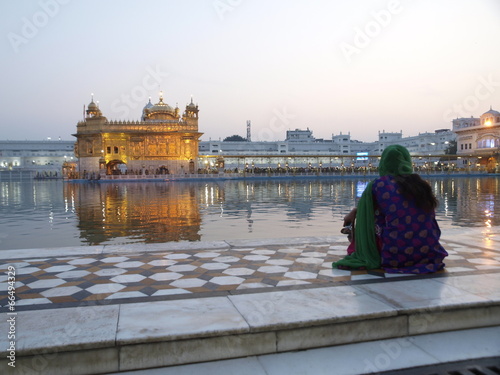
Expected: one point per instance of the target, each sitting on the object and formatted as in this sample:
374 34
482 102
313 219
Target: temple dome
148 105
191 105
159 111
92 106
161 106
491 112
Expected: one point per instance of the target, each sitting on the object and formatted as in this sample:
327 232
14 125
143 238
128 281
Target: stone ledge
81 362
293 241
99 339
454 319
342 333
148 355
139 248
58 330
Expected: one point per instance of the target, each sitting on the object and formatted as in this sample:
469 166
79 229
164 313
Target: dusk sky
331 66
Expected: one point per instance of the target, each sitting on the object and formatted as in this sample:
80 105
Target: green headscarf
395 161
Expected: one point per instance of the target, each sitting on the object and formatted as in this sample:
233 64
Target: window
108 150
488 143
470 146
116 150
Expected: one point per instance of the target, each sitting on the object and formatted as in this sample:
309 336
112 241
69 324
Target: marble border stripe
111 249
205 269
136 336
123 308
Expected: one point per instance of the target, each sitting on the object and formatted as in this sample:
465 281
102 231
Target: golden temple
163 141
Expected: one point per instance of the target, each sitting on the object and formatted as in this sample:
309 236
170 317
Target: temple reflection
142 212
108 213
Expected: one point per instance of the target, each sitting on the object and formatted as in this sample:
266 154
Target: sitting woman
396 227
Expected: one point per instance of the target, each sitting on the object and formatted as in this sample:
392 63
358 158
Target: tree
452 148
235 138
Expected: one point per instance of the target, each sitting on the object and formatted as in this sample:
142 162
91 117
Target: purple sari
409 236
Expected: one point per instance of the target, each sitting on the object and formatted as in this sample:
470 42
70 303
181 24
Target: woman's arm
350 217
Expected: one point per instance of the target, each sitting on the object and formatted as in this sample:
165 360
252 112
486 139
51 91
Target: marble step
122 337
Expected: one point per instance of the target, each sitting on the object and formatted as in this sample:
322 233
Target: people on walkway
394 223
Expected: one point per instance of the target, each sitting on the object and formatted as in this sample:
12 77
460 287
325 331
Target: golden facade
147 213
163 141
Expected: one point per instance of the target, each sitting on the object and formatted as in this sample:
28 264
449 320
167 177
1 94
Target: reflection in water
469 201
144 212
52 213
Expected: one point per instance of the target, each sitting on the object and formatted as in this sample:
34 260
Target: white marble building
45 156
301 149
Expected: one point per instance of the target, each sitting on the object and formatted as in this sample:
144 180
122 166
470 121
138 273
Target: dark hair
414 187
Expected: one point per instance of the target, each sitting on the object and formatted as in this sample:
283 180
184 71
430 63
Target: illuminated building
479 138
149 212
302 149
29 159
161 141
45 155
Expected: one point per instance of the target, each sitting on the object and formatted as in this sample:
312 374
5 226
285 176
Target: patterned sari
391 231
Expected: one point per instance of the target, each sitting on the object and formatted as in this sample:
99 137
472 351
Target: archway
492 165
116 167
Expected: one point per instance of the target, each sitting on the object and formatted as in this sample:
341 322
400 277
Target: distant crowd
263 171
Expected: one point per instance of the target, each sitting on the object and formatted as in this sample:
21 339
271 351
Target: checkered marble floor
176 274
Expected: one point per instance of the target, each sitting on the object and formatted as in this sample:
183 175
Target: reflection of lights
488 215
360 188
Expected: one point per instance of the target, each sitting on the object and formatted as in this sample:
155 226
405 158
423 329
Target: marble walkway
265 290
49 278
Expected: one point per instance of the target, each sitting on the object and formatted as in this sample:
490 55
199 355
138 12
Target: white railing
241 175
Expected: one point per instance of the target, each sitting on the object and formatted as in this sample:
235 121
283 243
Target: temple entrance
492 165
116 167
